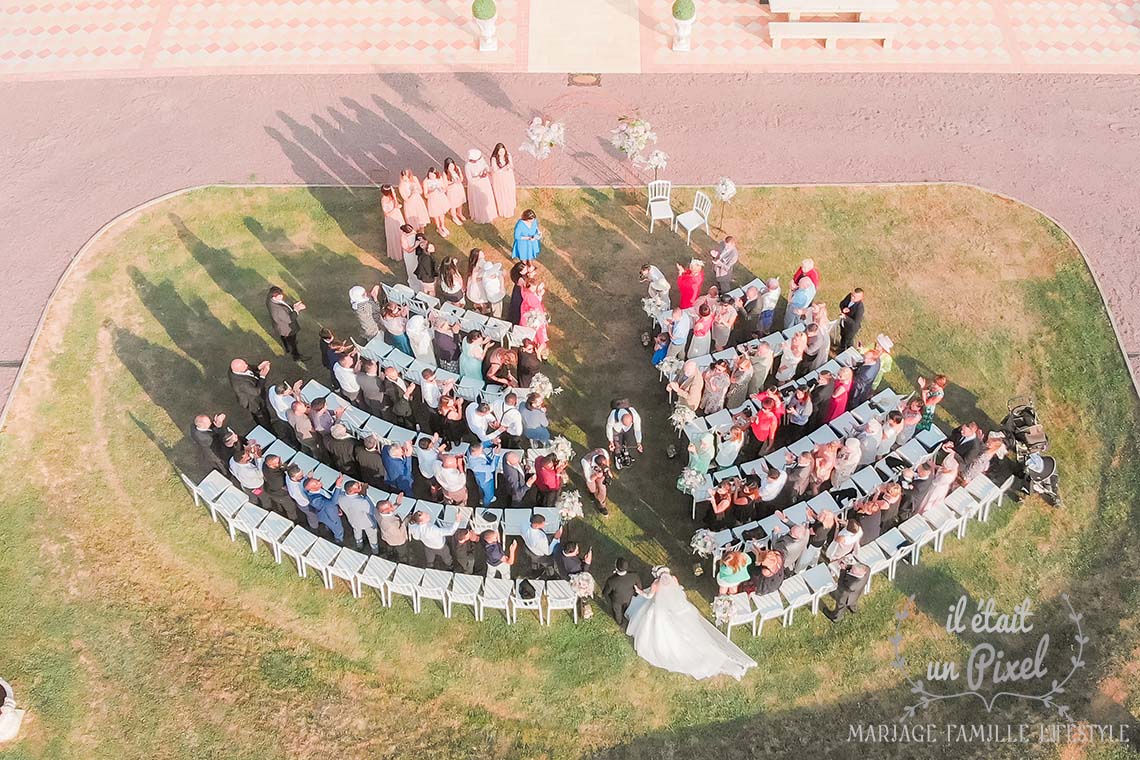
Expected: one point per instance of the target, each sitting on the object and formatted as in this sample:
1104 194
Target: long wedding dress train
670 633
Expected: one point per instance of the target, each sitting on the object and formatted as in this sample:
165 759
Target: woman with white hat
480 195
368 310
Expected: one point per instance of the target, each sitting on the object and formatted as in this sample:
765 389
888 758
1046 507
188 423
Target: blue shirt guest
483 463
398 466
527 237
325 507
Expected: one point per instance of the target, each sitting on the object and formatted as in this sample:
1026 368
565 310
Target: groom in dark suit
619 590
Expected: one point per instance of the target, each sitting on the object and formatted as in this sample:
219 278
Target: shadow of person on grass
961 403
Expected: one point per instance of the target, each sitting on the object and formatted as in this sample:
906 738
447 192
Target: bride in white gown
670 633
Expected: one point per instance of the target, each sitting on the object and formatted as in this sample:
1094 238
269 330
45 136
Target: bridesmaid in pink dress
533 291
393 221
480 196
415 210
456 195
503 181
435 190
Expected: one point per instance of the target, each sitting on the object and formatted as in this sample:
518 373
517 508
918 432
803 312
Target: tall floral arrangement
632 136
542 137
725 191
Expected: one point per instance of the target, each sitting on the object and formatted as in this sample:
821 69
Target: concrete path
78 153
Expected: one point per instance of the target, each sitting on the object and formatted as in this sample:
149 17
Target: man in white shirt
658 284
539 547
768 300
246 469
345 373
623 431
451 475
511 421
678 328
481 421
431 390
434 538
281 398
773 485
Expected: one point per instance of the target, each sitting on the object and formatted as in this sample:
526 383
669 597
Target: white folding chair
464 590
517 601
272 531
405 581
375 575
962 503
742 613
919 533
768 607
821 582
496 595
296 544
698 217
797 594
560 596
320 557
434 585
347 567
659 205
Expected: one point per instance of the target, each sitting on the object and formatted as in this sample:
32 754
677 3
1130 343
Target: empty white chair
742 613
659 205
433 585
988 494
496 595
962 503
821 582
560 596
873 557
797 594
893 545
519 602
919 533
193 488
319 557
697 217
464 590
405 581
347 567
272 530
375 574
246 521
768 607
296 544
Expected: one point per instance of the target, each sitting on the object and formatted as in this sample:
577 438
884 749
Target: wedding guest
657 282
445 339
932 394
516 480
409 239
393 531
689 385
503 181
539 547
325 508
398 395
500 368
456 195
427 269
850 586
792 545
724 261
283 314
274 493
863 379
451 477
569 561
210 442
765 424
724 318
732 572
847 542
886 361
771 572
481 421
823 467
484 462
415 209
869 435
807 269
799 478
485 288
395 324
701 343
245 469
527 237
390 207
839 394
510 421
450 283
748 311
433 536
816 349
360 513
890 494
480 196
771 489
729 446
397 459
678 326
451 420
368 311
791 354
619 590
342 448
769 299
851 307
799 299
498 562
438 204
762 358
473 349
529 359
520 271
464 543
716 382
420 335
548 479
689 281
532 312
912 417
892 428
370 462
249 385
846 461
428 451
536 426
345 373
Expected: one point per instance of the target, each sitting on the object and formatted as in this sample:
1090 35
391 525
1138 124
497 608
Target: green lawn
134 628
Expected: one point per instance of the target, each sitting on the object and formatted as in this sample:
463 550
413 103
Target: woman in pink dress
839 395
435 191
393 221
456 195
533 313
480 196
415 210
503 181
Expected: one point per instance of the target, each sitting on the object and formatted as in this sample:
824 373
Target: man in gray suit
283 313
851 584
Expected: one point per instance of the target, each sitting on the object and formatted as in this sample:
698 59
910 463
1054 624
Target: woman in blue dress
527 237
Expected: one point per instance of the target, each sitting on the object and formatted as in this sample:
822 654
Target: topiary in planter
484 10
684 10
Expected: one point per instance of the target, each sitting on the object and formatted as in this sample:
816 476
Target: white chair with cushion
698 217
560 596
660 206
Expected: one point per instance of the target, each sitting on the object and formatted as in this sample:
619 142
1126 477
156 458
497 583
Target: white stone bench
830 31
796 8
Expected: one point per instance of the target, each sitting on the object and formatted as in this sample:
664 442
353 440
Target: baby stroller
1022 429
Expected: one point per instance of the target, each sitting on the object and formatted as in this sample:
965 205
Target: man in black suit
568 561
398 398
249 387
274 494
210 443
619 590
516 483
850 586
915 483
821 394
370 462
966 439
283 314
852 309
368 378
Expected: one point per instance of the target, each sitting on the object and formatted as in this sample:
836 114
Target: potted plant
684 12
485 14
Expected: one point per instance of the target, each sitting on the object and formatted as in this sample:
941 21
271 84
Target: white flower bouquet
670 365
722 610
653 306
569 505
725 189
681 416
703 543
583 585
541 385
631 136
656 160
542 137
690 480
536 319
561 448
